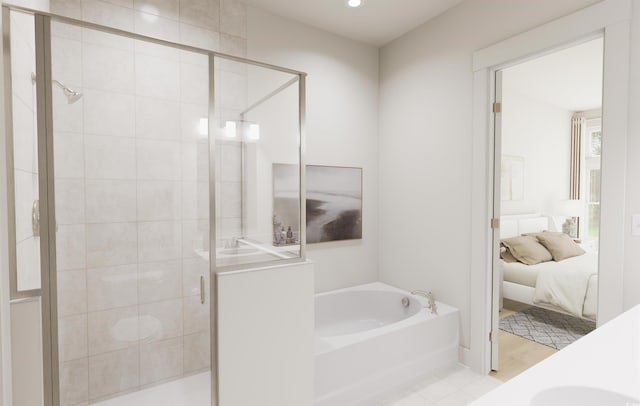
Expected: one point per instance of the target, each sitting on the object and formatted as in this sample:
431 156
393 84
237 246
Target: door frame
611 19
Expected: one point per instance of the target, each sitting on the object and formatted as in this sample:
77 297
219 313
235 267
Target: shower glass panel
257 164
132 208
23 162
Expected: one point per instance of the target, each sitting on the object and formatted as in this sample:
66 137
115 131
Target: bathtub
368 344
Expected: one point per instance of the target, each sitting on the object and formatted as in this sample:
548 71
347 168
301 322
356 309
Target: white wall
632 244
426 139
266 336
342 126
541 134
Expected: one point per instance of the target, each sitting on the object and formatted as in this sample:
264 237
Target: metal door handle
201 289
35 218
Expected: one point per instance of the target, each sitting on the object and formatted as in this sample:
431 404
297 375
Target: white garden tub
368 343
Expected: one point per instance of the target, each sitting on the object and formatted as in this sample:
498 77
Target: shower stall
139 171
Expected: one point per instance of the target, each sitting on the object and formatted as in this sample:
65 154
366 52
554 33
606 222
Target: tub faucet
430 299
232 243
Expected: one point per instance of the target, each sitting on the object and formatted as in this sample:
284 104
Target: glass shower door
132 209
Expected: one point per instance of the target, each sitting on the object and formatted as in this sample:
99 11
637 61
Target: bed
567 286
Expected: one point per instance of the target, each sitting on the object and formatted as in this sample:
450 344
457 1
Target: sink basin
237 251
581 396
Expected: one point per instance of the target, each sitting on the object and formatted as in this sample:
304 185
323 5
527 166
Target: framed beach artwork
334 203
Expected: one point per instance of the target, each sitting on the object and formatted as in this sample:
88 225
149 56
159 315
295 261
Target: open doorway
547 196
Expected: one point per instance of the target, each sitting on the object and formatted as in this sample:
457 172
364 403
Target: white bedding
564 284
569 285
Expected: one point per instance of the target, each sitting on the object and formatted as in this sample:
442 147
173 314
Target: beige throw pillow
506 255
527 249
560 245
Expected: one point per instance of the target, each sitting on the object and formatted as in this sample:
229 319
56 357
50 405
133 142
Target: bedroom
550 130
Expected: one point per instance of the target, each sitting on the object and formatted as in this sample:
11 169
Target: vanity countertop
607 359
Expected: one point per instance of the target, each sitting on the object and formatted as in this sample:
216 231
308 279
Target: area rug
546 327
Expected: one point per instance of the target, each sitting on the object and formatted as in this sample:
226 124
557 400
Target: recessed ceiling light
354 3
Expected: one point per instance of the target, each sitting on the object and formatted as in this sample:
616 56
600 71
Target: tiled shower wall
132 192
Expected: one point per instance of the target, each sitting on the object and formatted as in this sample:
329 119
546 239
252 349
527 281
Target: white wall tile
24 137
160 281
227 228
195 200
107 68
164 8
67 8
190 116
159 200
192 269
160 320
196 315
161 360
230 163
72 336
159 241
71 247
72 293
157 77
233 18
112 287
197 352
157 50
121 3
66 61
104 13
111 244
74 382
230 199
231 92
110 201
235 46
195 234
201 38
67 117
113 329
68 149
158 160
155 26
64 30
194 84
23 61
110 157
95 37
70 201
28 264
109 113
113 372
157 119
203 13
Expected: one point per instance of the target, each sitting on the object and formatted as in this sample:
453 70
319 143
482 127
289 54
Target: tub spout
431 301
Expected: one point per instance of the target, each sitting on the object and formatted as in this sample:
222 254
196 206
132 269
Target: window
593 150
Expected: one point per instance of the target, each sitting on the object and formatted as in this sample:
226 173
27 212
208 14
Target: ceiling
376 22
570 79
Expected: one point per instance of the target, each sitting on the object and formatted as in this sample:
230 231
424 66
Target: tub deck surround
604 362
367 343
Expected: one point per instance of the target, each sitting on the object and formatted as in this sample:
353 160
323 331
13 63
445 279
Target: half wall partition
140 170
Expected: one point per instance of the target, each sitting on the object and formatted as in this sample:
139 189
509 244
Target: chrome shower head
72 95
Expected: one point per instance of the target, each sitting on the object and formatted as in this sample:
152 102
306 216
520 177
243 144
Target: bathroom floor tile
453 386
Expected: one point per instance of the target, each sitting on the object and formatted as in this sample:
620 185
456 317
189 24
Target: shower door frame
45 153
